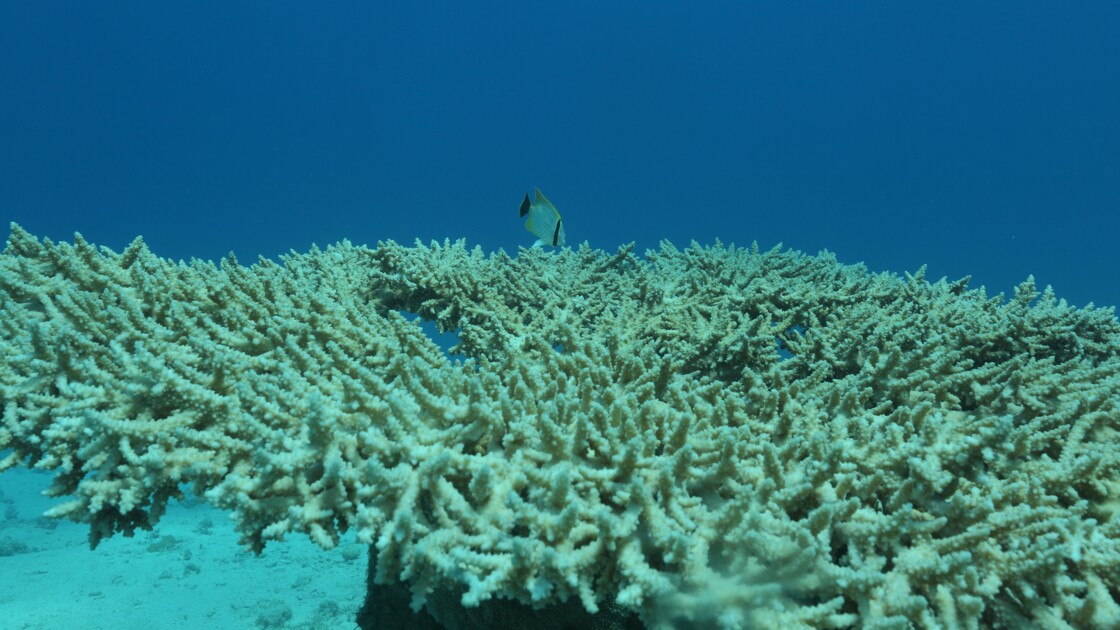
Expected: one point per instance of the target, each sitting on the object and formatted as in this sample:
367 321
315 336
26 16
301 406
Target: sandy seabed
187 573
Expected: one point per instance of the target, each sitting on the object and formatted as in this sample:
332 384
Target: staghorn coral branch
713 437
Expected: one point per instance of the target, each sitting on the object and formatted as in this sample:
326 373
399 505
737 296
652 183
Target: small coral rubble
713 437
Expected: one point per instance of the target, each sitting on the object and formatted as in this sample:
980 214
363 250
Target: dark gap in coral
424 502
445 340
888 564
607 500
849 607
784 352
799 509
837 547
1113 589
314 472
461 483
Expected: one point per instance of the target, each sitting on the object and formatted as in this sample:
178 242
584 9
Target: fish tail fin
525 205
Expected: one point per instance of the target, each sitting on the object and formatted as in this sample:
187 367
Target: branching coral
709 437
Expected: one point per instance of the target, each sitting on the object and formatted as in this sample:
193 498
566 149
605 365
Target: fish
544 220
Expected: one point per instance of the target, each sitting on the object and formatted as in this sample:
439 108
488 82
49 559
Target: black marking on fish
525 205
556 232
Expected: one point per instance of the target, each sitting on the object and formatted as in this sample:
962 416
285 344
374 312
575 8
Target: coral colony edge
714 437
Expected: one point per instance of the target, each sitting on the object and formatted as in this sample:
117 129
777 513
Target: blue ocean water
977 138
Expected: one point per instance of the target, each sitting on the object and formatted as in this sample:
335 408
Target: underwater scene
723 315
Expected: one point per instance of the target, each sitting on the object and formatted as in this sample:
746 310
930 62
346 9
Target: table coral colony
714 437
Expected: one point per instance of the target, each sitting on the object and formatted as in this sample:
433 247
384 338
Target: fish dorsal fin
525 204
540 198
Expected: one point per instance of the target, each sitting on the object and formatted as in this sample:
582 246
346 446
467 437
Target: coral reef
708 437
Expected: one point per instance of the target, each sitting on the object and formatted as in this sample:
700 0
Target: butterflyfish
544 220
